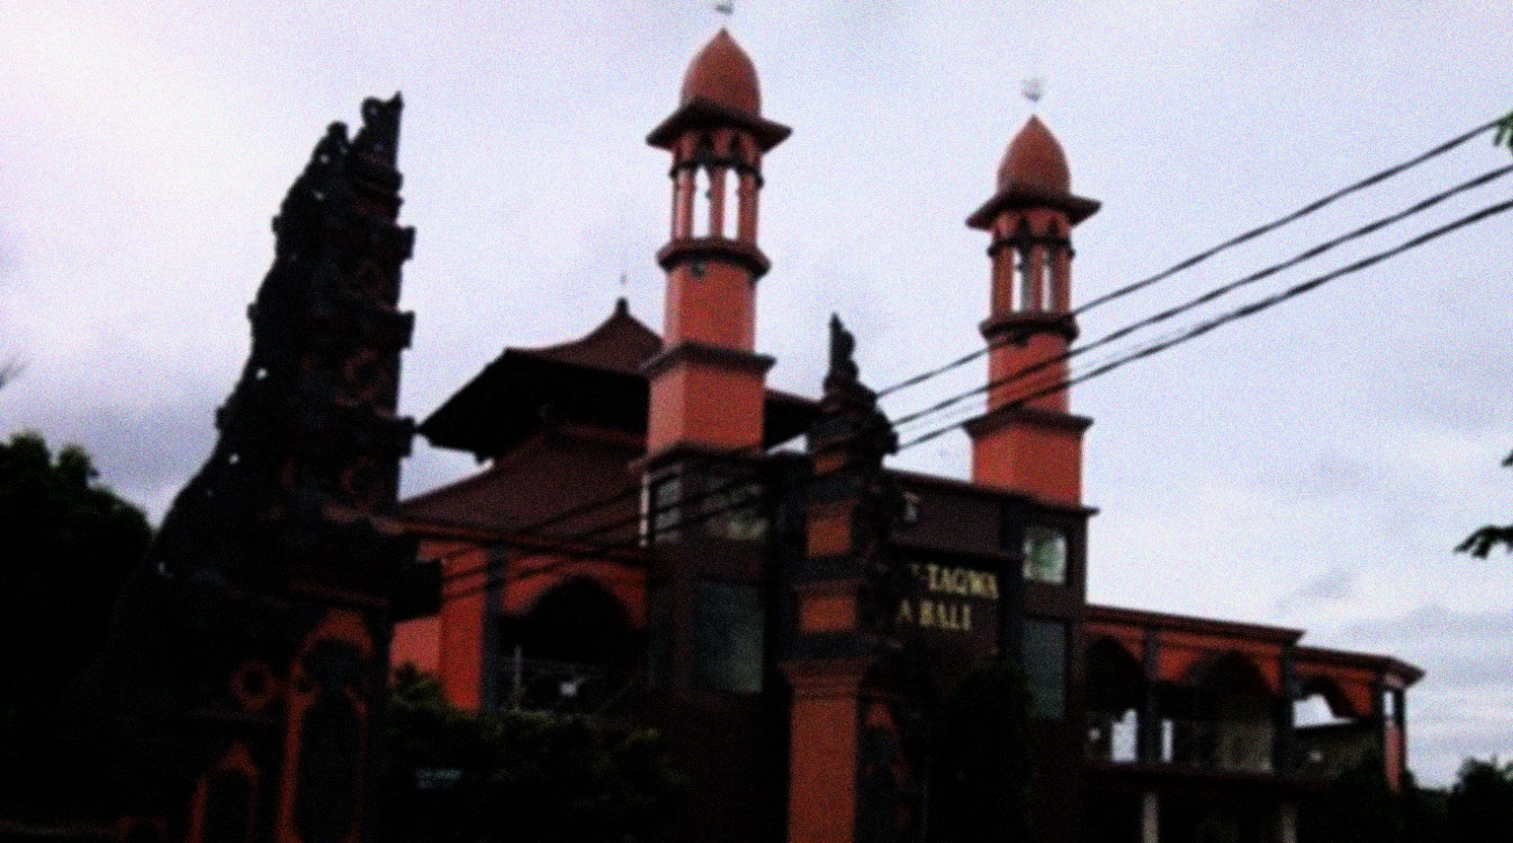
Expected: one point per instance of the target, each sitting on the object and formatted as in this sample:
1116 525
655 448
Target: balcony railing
558 687
1239 745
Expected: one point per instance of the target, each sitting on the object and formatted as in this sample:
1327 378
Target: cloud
1439 625
1334 585
1464 704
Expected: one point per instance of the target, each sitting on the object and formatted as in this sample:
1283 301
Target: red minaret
707 386
1029 442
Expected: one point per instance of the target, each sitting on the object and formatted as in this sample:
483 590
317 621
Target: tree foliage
1363 808
1504 134
1481 542
451 776
70 542
9 370
1481 802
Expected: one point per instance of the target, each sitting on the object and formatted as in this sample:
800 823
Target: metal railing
559 687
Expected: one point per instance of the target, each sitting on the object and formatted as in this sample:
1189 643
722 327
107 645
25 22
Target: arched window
704 198
571 652
1114 694
1328 735
1232 723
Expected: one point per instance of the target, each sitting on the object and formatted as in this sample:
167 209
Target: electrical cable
1295 215
1245 311
1198 258
1191 333
1117 362
683 523
634 489
640 516
1211 295
637 488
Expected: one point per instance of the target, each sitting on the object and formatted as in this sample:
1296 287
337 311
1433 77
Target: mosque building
657 538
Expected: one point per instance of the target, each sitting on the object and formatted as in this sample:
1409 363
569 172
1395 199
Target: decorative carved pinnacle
849 418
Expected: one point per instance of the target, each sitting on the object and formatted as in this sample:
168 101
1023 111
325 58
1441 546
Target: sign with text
953 600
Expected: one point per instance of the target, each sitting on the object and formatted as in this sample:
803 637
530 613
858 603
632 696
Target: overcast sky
1310 467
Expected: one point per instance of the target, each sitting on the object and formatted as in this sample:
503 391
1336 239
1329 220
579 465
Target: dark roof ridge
620 343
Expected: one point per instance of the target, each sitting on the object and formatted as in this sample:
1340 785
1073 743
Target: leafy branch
1504 134
1481 542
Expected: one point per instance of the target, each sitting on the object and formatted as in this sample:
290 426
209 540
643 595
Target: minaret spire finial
1033 88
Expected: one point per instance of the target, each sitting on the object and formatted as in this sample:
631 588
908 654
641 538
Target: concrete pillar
1148 718
1283 750
1287 823
1150 817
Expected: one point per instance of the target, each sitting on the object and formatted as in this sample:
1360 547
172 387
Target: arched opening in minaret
683 188
744 191
1031 277
720 179
1024 278
1057 286
742 177
704 198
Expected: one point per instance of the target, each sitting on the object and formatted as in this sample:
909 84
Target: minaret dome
724 75
1034 160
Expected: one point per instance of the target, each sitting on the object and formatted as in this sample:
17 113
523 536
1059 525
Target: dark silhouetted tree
1363 808
1504 134
69 544
1481 803
451 776
1481 542
1424 816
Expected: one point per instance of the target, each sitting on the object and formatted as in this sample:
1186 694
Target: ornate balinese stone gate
237 698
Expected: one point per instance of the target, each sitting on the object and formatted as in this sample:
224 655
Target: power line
1295 215
635 489
646 515
1187 335
630 490
1211 295
1200 257
1251 309
945 367
684 522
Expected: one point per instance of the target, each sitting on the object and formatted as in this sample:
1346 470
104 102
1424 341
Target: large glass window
728 637
1045 554
1045 667
663 510
709 503
733 509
